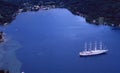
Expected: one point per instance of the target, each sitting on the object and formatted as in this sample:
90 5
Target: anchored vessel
93 51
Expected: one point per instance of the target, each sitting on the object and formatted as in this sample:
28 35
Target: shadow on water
115 28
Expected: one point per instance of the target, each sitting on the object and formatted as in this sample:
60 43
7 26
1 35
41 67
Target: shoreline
9 15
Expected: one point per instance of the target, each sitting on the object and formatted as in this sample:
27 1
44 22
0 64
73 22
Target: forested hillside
104 11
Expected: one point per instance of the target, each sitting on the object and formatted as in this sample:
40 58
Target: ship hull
93 52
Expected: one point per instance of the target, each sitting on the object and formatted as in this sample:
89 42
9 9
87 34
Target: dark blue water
51 41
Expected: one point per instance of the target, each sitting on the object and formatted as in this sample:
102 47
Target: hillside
95 11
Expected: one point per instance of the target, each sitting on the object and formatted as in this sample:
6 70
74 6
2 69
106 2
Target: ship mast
85 46
90 46
95 45
101 46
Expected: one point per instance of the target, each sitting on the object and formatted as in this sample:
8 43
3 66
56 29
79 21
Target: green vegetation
92 10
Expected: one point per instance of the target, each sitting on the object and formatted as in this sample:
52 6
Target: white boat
95 51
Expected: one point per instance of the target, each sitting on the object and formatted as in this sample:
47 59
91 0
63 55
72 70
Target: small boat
1 37
94 51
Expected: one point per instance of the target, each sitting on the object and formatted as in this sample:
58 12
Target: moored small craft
1 37
94 51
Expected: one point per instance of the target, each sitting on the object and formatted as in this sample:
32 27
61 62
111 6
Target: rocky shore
95 12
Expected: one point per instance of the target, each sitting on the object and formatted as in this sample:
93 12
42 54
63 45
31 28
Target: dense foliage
90 9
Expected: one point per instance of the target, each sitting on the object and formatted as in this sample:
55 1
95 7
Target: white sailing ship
93 51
